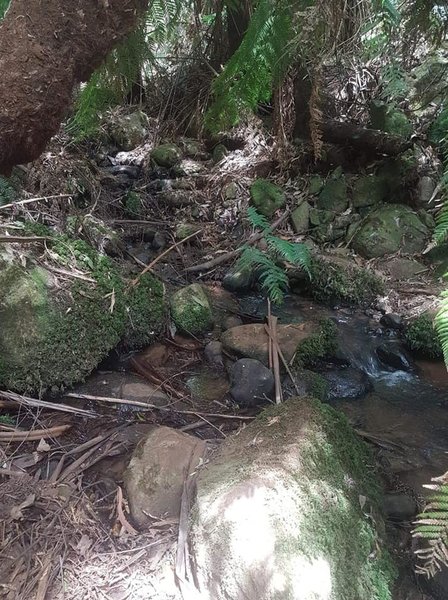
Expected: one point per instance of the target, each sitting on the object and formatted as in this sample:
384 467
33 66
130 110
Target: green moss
59 338
133 205
319 345
422 338
267 197
333 282
8 192
191 310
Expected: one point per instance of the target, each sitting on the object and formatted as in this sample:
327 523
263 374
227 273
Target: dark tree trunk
302 96
46 48
238 17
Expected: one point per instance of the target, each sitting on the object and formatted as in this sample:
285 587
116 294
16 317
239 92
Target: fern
432 526
441 324
4 4
272 277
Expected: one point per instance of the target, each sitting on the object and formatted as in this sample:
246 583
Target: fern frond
4 5
441 230
432 526
273 279
257 220
297 254
441 325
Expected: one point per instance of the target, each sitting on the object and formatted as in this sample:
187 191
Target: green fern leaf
257 220
297 254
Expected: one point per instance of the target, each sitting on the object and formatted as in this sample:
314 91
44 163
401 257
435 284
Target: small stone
392 321
395 356
252 382
166 155
156 474
219 153
334 196
300 218
213 353
230 191
191 310
316 184
267 197
400 507
232 321
238 280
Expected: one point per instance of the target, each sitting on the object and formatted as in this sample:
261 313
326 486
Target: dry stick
156 260
154 407
23 239
24 400
271 330
121 516
219 260
30 200
37 434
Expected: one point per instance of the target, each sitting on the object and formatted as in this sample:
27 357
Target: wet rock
232 321
348 383
191 310
334 196
208 386
213 353
155 477
129 131
166 155
400 507
392 321
393 355
252 382
300 218
388 229
251 341
267 197
277 512
124 171
219 153
425 191
238 280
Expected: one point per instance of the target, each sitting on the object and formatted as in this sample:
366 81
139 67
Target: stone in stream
155 477
278 512
394 355
349 383
252 382
251 341
238 280
191 310
392 321
166 155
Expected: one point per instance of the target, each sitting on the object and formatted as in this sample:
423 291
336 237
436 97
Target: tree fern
432 526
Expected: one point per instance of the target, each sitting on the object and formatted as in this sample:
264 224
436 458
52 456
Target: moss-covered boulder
267 197
57 327
289 509
166 155
333 196
368 190
191 310
128 131
300 218
388 229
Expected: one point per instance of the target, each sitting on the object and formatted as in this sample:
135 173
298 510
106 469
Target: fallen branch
156 260
23 239
32 402
219 260
30 200
36 434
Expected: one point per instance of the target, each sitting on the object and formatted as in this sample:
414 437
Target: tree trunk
46 48
238 17
369 141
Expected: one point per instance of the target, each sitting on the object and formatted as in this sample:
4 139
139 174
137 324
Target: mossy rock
191 310
128 131
54 333
390 120
333 196
300 218
389 229
338 280
422 338
8 192
319 345
267 197
166 155
368 191
219 153
321 217
291 508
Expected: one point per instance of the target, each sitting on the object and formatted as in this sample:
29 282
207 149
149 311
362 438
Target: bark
238 17
46 48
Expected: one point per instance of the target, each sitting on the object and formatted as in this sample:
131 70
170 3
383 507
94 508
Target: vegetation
317 346
422 337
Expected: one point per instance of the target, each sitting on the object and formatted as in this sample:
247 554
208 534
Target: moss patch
318 345
191 310
334 282
422 338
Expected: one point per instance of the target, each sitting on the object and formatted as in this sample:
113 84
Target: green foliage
4 4
441 324
8 193
432 527
272 276
422 337
260 61
7 420
133 204
318 346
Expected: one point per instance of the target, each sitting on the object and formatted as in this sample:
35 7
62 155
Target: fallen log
368 141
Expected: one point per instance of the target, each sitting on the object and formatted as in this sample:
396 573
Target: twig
156 260
271 330
219 260
36 434
24 400
30 200
24 239
120 513
154 407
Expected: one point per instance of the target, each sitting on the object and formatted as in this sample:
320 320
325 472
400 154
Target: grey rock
425 191
232 321
394 355
400 507
252 382
349 383
392 321
238 280
213 353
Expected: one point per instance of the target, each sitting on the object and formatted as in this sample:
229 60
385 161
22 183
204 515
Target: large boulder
289 509
155 476
55 328
191 310
128 131
251 341
388 229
